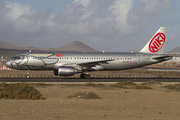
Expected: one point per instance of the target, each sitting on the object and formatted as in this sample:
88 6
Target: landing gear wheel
27 76
82 75
86 76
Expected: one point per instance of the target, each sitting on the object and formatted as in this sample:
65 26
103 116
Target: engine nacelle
65 71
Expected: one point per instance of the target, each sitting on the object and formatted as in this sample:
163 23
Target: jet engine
65 71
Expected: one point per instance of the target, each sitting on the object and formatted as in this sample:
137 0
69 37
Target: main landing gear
85 76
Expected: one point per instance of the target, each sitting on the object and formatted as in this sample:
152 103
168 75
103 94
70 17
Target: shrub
149 82
85 95
173 87
123 84
142 87
40 84
95 85
19 91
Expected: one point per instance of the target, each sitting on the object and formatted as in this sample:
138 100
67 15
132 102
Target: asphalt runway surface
89 80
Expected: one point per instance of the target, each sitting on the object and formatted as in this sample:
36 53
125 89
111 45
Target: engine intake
65 71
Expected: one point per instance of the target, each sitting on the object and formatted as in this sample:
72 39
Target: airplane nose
7 63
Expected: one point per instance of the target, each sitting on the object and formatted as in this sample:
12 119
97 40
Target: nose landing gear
28 74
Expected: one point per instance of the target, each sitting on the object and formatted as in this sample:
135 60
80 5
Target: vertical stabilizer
157 42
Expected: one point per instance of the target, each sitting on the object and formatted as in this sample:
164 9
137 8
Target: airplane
70 63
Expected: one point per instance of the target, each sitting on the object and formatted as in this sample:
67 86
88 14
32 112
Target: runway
89 80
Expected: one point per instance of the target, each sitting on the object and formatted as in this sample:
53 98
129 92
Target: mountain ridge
75 46
176 49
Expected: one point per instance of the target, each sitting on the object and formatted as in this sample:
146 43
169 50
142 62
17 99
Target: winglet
157 42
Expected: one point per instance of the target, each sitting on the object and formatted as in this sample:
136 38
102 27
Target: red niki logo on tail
157 42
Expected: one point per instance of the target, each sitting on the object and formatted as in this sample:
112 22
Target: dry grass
95 85
173 87
86 85
84 95
131 85
71 85
40 84
19 91
159 83
123 85
142 87
151 82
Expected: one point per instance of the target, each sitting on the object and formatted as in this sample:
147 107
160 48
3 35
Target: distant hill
176 49
28 47
9 53
75 46
8 50
7 45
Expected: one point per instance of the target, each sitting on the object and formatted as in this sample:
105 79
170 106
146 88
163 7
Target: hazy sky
111 25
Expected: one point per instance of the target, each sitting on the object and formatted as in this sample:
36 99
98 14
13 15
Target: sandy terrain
115 104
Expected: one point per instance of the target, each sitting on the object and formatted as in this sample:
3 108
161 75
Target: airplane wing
86 65
93 64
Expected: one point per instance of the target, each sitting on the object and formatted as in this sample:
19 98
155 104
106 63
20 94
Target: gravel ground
115 104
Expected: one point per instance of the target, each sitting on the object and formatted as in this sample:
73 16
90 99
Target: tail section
157 42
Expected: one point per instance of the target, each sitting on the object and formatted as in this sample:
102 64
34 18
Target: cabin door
139 58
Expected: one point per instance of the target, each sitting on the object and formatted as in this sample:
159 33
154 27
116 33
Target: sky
110 25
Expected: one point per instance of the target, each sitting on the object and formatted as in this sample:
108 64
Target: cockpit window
13 57
18 57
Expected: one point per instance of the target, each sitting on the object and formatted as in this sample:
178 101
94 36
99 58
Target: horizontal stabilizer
162 58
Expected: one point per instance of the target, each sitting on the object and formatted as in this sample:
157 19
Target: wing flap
86 65
92 64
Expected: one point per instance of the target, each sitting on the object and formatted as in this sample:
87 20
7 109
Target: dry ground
115 104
